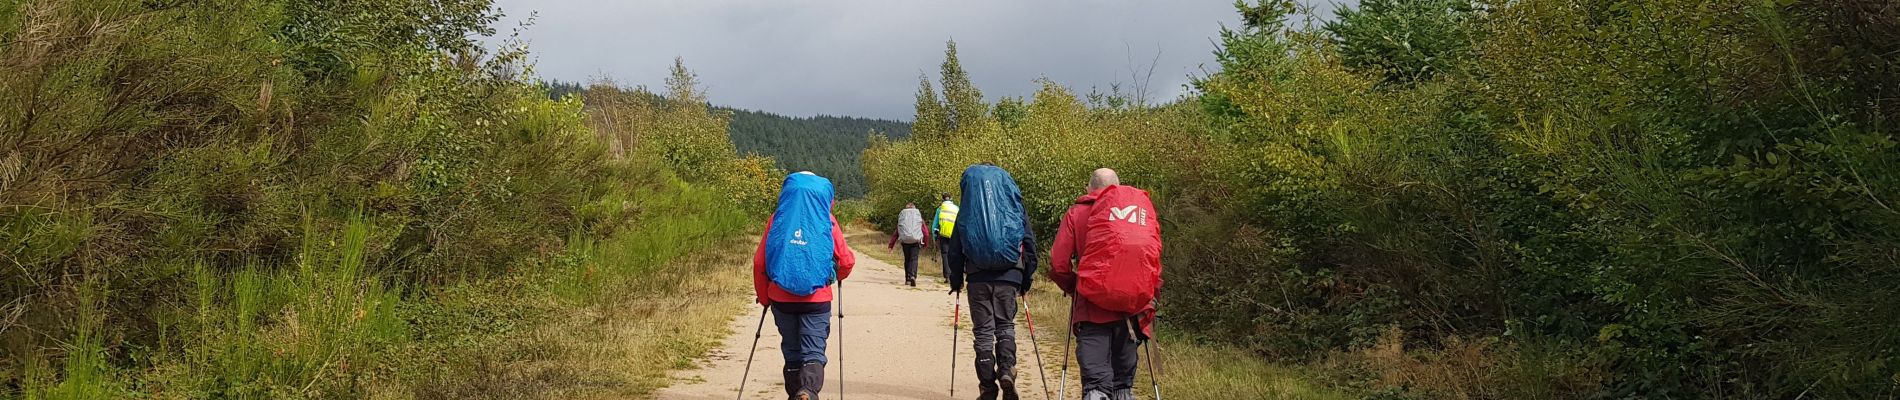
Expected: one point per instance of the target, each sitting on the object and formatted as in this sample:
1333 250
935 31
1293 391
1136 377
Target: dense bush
1050 155
686 134
824 144
1513 199
232 198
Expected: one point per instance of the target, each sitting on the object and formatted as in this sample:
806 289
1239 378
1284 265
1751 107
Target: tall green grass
256 333
309 199
606 317
673 224
331 327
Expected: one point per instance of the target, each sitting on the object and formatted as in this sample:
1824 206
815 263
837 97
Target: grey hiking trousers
993 320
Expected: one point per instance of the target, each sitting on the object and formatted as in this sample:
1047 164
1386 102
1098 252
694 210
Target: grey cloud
862 57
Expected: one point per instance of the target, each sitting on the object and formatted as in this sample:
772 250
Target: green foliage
853 210
965 111
1541 199
932 119
684 133
558 89
232 198
826 145
1625 204
1010 112
1405 40
1050 153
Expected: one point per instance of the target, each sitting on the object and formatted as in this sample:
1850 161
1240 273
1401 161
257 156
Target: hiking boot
1096 395
1123 394
986 393
811 379
1008 382
986 378
791 383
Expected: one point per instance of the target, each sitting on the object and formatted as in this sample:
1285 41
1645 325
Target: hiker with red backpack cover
800 258
1107 258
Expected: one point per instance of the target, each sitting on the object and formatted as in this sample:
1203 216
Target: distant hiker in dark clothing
995 253
915 236
1107 336
801 255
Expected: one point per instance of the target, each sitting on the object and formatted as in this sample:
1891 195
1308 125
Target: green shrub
233 198
1613 198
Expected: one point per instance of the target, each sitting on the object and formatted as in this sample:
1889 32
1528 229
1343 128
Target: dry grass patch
621 346
1481 368
1188 370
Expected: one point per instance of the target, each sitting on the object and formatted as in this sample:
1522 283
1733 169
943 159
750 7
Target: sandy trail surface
895 339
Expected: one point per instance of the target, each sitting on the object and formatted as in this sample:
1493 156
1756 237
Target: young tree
1406 40
1010 111
968 112
930 121
682 86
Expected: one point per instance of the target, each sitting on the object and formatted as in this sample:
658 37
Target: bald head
1103 178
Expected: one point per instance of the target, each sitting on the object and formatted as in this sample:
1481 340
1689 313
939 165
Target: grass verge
605 319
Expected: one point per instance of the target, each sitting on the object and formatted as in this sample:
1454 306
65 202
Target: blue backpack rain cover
990 226
798 247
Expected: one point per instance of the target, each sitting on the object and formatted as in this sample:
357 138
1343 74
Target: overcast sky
862 57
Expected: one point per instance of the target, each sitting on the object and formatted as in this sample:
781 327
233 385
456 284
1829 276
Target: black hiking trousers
993 321
1107 354
911 252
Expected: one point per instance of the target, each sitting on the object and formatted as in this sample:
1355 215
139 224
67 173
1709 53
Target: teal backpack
990 226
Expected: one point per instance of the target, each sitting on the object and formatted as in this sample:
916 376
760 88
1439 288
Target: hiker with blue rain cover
801 256
995 254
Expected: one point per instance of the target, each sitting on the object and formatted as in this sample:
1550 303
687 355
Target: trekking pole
1040 370
1063 390
956 316
763 310
1148 347
841 339
1153 347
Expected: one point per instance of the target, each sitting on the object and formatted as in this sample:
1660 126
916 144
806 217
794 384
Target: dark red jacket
768 292
1071 236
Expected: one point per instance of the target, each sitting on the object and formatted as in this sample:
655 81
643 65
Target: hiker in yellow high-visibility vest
944 223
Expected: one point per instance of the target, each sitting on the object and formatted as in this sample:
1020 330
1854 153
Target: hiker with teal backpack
994 256
801 256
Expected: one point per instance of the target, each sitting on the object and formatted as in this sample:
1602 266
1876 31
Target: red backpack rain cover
1121 260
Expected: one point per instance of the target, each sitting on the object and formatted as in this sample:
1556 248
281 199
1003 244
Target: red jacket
767 292
1070 238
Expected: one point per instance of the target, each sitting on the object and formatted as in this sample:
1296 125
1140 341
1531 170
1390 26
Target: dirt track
896 343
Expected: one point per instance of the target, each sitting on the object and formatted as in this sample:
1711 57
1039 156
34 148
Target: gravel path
896 343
